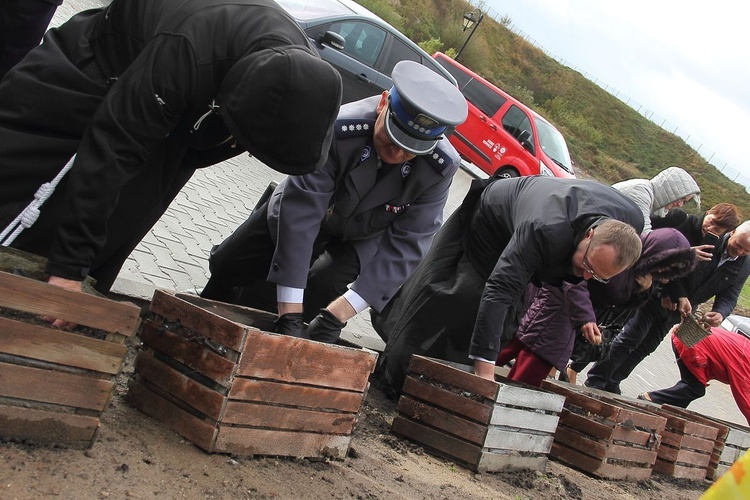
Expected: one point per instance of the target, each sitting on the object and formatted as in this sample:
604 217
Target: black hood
280 105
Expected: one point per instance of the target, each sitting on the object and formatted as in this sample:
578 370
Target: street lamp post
471 20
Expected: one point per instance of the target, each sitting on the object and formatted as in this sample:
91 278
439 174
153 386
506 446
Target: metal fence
710 155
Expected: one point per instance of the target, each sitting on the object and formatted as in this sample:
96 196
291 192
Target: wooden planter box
686 445
211 372
54 385
483 425
603 437
732 441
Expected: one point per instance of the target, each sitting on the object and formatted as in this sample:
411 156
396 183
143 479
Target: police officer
345 237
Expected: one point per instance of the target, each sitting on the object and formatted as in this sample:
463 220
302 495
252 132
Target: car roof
739 323
309 10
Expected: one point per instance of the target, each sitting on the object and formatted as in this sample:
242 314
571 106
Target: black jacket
134 90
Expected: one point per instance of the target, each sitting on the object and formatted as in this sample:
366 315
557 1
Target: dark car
360 45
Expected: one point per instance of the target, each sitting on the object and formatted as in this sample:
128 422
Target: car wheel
506 173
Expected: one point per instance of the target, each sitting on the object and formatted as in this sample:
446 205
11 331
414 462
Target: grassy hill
608 140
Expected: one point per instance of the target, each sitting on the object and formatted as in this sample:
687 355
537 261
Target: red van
502 136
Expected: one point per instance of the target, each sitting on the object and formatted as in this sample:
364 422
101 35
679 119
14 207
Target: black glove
325 327
291 324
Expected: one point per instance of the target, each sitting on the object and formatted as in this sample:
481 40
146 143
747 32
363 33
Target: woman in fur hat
547 334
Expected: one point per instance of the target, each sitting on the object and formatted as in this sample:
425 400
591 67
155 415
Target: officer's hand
291 324
325 327
667 303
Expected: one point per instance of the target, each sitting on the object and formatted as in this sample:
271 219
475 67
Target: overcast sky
686 61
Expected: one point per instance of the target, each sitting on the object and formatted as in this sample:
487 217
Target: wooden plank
56 346
262 320
642 420
198 431
48 427
453 447
494 462
588 403
679 471
36 297
697 444
585 425
267 391
248 441
723 429
287 418
459 379
577 441
581 461
191 354
182 387
289 359
503 439
526 397
209 325
626 472
631 454
523 419
636 437
456 403
442 420
48 386
738 437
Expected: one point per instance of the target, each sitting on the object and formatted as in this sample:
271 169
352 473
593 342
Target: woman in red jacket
722 356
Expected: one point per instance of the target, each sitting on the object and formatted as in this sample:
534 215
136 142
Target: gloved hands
291 324
325 327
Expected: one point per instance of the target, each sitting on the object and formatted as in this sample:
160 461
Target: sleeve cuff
356 301
289 294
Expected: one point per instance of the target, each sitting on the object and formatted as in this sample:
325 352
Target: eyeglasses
587 267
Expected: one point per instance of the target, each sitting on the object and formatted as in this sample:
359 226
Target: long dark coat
519 230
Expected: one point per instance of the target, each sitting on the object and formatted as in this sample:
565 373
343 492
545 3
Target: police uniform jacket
527 229
123 87
388 212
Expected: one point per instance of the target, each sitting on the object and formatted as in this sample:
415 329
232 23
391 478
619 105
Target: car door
356 63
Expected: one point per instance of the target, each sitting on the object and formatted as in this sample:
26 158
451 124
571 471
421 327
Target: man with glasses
504 236
721 278
366 218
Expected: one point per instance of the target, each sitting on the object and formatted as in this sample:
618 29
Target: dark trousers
239 268
22 25
639 337
684 392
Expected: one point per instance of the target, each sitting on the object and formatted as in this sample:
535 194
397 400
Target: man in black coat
143 92
722 278
539 229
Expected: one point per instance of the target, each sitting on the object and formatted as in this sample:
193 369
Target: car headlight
544 170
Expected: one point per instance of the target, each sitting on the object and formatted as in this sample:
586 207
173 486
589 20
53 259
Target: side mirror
333 39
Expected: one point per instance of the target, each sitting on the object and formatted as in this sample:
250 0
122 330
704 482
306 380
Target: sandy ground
136 456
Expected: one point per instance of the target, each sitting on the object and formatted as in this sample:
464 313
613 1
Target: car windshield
553 144
307 10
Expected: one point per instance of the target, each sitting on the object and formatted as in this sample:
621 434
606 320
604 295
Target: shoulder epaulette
440 160
353 127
